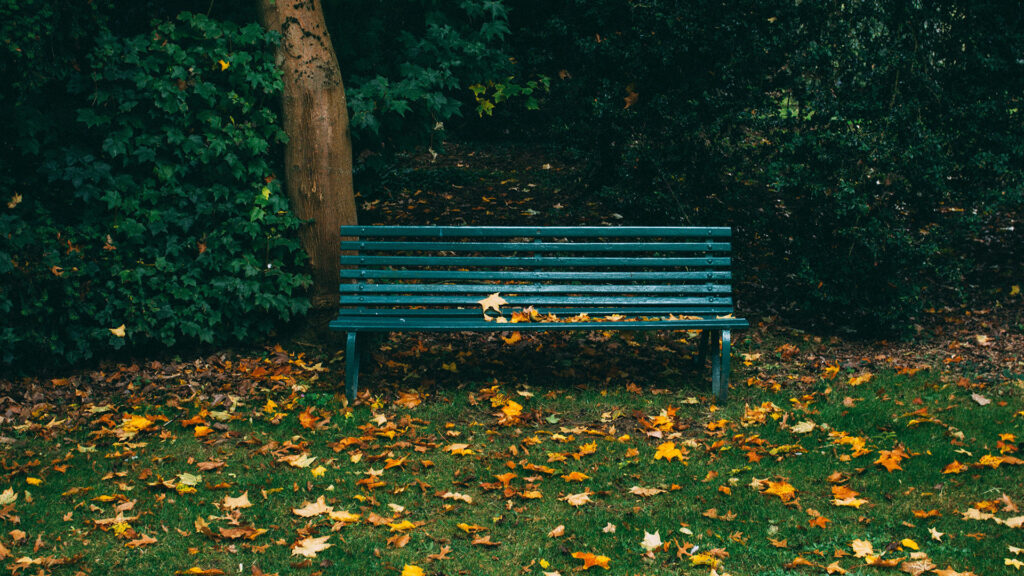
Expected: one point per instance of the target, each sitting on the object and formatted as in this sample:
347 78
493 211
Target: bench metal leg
720 365
702 349
351 367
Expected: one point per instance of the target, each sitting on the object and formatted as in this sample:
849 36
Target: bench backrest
446 270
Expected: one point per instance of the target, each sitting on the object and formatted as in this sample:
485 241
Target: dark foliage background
868 154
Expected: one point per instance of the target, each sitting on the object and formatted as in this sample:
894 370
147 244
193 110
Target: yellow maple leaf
412 570
512 411
575 477
135 423
343 516
668 451
469 528
318 472
862 379
224 65
703 560
119 331
784 490
401 526
201 431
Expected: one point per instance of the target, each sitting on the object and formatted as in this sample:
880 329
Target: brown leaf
442 555
641 491
917 567
399 540
484 541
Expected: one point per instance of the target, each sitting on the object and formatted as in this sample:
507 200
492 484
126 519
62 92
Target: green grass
458 410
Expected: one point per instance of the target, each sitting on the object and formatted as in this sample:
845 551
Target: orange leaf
820 522
784 490
591 560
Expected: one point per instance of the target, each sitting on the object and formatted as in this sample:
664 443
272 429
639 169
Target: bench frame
400 292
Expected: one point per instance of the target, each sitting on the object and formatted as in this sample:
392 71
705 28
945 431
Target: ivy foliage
140 190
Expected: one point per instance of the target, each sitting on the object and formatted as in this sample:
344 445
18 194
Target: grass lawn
483 457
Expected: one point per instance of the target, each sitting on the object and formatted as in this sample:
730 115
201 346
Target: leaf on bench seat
492 302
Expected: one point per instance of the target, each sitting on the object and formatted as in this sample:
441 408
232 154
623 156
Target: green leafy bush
141 191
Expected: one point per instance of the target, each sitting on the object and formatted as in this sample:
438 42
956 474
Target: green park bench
432 279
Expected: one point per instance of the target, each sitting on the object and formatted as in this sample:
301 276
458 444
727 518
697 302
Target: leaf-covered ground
553 454
549 453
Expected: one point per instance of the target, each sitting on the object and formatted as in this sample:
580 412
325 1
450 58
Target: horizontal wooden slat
366 246
537 231
478 325
611 276
535 288
453 300
513 262
707 311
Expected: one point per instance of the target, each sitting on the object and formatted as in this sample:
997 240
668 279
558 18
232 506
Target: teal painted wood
702 311
501 275
537 288
478 324
451 300
536 231
529 262
363 246
392 281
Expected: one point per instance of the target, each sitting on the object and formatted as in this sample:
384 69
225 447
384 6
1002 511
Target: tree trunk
318 157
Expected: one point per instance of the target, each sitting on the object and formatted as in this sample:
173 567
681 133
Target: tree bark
318 156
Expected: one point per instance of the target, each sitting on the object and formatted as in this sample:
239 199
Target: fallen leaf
235 503
309 546
311 509
591 560
575 477
641 491
862 548
981 400
577 499
143 540
668 451
651 541
784 490
492 302
917 567
804 427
